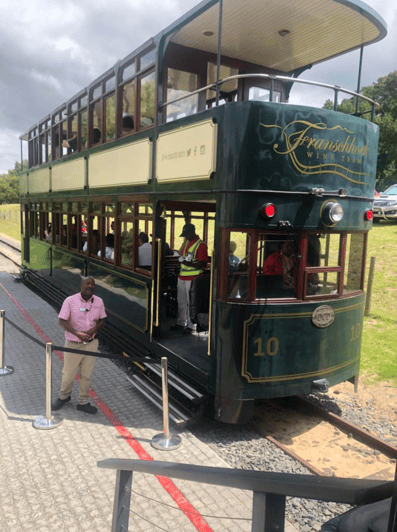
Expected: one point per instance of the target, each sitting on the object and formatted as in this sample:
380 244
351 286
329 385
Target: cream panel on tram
39 181
126 165
69 176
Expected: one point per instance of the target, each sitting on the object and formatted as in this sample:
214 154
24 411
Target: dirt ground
329 449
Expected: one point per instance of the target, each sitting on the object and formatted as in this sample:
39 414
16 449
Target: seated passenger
70 143
96 135
144 251
128 125
48 233
109 249
233 260
282 262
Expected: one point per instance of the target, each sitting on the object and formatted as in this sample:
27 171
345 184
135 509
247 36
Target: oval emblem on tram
323 316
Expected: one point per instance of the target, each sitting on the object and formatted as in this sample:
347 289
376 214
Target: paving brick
49 479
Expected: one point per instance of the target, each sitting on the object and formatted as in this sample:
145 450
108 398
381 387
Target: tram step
151 391
176 382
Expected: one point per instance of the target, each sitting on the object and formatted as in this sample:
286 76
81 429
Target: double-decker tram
194 127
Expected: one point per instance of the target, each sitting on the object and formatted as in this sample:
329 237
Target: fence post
48 421
4 370
369 287
164 441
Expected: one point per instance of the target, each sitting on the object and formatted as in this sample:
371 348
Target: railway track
9 253
324 442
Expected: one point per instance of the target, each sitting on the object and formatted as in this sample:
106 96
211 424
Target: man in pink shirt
81 316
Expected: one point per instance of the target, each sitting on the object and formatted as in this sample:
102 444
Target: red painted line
165 482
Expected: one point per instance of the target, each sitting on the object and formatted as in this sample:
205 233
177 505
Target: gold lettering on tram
356 331
272 346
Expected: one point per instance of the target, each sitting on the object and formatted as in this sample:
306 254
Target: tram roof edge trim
315 32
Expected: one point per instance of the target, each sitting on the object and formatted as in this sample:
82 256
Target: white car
385 205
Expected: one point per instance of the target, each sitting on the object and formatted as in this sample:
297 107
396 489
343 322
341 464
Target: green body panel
272 350
127 298
40 256
67 270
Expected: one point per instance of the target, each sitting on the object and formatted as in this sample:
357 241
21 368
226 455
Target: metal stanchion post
164 441
4 370
48 421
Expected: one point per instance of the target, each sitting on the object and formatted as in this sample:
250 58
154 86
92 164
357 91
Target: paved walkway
49 479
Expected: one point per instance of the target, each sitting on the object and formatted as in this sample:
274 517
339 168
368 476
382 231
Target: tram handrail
270 489
274 77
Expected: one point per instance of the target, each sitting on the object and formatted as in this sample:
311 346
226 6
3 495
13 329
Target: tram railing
273 78
269 489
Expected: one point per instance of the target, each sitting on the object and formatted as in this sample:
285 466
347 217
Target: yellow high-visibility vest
187 270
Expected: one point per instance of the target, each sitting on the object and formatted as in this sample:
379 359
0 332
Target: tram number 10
271 347
356 331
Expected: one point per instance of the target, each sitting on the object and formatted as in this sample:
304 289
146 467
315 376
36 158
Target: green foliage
9 184
384 91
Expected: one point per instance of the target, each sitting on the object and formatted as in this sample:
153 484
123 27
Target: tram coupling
320 385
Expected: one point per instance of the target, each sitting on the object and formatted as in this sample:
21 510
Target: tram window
110 114
228 90
354 262
181 84
144 250
327 283
127 237
94 234
238 265
147 59
97 123
329 250
127 208
147 98
64 234
260 94
129 71
83 139
277 266
128 123
64 136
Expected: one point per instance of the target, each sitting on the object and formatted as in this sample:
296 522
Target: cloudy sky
50 50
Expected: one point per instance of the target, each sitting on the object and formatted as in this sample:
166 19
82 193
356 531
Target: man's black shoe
87 408
59 403
200 329
177 327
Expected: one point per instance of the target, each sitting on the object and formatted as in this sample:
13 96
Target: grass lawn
379 342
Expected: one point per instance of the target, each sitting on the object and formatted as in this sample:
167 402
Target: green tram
195 126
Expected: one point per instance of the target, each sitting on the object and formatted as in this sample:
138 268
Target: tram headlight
268 210
332 213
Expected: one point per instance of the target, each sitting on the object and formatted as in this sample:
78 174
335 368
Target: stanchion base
6 370
41 422
163 444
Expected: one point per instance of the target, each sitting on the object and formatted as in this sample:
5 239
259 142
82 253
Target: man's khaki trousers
72 362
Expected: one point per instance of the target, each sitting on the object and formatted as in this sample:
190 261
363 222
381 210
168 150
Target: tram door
170 226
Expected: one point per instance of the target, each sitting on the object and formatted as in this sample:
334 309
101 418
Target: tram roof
311 30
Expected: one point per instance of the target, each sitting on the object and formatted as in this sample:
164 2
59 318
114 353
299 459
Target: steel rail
359 433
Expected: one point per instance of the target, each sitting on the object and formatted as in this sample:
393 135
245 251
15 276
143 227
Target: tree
384 91
9 184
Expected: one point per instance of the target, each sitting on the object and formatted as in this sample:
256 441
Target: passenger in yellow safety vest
193 259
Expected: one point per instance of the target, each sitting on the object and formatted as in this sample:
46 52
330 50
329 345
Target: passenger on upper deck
128 124
144 251
70 143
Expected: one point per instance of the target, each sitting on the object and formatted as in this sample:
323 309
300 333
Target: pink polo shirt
82 315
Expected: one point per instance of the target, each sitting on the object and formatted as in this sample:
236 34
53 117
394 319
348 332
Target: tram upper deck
244 56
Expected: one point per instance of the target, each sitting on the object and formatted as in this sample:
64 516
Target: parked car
385 205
